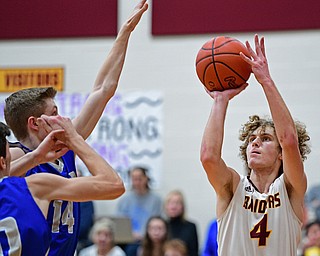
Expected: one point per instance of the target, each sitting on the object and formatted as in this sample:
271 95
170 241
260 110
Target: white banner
128 134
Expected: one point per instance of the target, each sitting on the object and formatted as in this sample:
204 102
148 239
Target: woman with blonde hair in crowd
178 226
102 236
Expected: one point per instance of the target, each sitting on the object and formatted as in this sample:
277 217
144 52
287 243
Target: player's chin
254 164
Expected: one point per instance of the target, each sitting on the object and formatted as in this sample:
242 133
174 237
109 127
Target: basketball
219 65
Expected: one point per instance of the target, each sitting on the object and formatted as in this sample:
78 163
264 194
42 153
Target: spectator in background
312 203
102 236
155 236
175 247
179 226
311 242
139 204
211 244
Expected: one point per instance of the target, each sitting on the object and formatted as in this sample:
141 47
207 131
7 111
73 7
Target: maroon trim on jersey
253 184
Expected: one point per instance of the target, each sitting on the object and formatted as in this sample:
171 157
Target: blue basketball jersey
23 227
63 217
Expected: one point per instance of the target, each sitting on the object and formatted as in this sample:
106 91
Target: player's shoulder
16 152
236 178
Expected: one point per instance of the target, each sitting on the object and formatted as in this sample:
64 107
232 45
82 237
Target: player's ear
32 123
3 164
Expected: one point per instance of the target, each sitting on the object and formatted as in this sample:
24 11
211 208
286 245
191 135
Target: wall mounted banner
14 79
128 134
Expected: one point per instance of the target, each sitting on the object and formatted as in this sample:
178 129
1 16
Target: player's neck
31 142
263 180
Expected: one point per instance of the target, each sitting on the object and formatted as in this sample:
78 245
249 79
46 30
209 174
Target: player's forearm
109 73
104 88
93 161
107 184
284 124
20 166
211 146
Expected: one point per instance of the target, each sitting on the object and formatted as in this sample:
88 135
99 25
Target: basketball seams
223 53
230 68
205 71
219 46
214 65
227 53
203 59
227 42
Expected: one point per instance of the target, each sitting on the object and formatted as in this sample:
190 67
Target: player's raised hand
137 13
51 148
61 123
258 61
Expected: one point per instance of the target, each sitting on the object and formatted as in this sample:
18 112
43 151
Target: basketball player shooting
261 213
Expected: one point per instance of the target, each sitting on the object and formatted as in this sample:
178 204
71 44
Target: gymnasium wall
170 17
166 63
57 19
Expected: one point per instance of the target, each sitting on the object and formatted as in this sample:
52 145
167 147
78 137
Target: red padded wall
57 18
170 17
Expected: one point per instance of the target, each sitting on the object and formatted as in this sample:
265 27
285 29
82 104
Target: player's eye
266 139
251 139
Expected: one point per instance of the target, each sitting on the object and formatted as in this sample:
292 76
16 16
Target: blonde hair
176 245
104 224
179 194
255 122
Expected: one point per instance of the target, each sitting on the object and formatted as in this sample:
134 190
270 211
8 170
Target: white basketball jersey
256 224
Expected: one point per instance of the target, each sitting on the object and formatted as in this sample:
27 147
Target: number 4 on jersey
260 231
